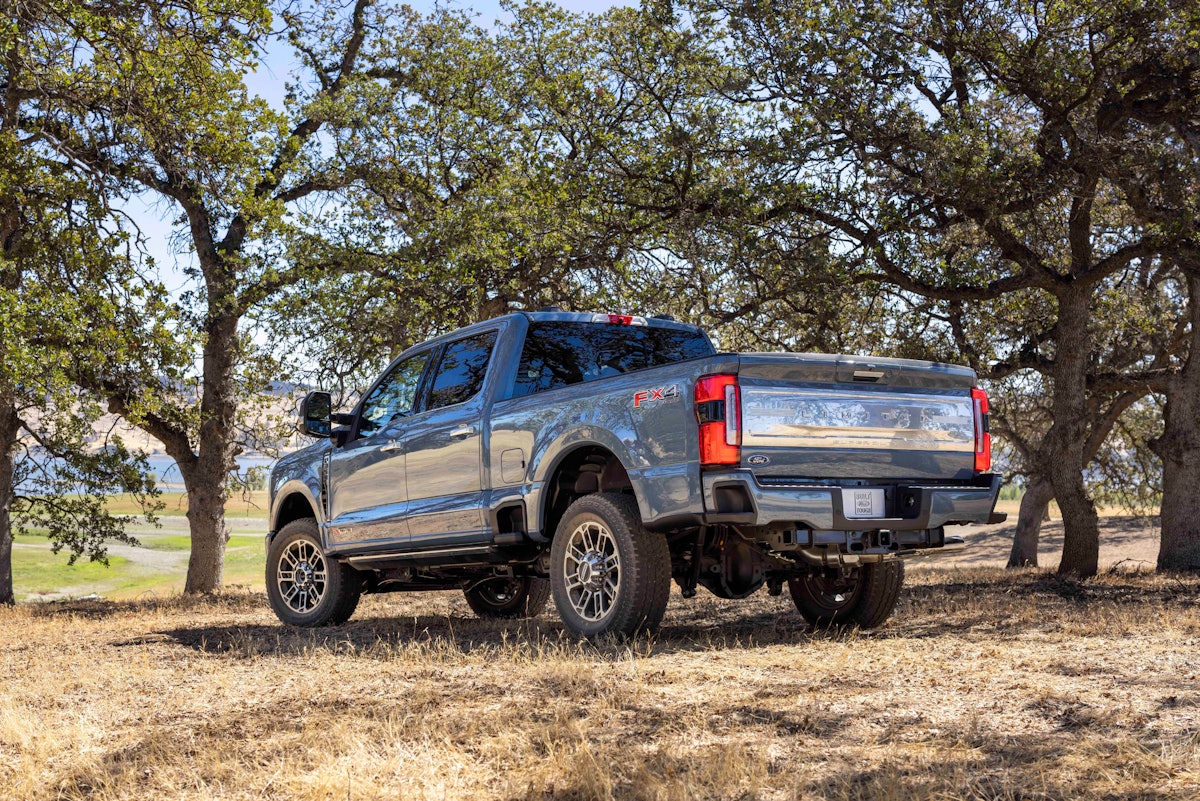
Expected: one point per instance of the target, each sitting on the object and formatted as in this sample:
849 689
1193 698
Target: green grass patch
182 542
37 571
246 564
159 567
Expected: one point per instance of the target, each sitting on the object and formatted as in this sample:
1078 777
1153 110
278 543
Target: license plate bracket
862 502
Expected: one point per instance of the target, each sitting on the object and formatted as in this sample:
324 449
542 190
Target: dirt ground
985 684
1125 540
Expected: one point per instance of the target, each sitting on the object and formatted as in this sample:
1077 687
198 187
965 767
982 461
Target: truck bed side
645 418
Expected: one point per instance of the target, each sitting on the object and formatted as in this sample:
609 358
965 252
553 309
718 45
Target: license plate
862 502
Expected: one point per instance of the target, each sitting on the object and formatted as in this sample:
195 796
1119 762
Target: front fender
308 488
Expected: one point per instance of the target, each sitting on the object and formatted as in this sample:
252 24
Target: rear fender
546 463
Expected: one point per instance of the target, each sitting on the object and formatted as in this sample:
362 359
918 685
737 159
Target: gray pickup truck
596 457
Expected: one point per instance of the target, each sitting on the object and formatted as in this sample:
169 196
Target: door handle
392 445
464 431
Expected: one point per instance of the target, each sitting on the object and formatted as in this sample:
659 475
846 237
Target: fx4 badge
654 395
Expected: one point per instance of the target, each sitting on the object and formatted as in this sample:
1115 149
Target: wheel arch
293 501
585 468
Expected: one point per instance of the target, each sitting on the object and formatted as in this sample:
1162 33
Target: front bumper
737 497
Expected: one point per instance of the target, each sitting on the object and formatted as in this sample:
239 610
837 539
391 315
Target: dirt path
139 556
1129 541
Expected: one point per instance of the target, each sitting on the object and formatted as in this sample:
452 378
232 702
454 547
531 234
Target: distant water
167 472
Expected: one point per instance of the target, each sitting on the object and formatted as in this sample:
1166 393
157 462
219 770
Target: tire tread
879 597
875 598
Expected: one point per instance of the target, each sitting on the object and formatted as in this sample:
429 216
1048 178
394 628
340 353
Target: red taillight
621 319
983 439
718 413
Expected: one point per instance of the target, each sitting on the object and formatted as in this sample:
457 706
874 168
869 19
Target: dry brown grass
985 685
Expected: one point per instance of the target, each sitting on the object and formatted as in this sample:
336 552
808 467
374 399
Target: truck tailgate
829 417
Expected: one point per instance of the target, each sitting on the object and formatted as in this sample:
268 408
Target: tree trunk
1064 454
9 427
1179 450
1034 505
206 478
209 532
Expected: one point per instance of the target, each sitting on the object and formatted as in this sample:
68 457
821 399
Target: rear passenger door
443 444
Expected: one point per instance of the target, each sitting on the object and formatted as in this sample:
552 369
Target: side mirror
316 411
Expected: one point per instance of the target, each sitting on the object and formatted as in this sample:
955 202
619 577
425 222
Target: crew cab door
444 449
367 488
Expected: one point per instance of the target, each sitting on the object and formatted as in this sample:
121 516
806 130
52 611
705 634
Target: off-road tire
338 592
508 598
643 567
867 603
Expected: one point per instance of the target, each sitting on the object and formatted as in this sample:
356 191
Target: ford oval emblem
758 460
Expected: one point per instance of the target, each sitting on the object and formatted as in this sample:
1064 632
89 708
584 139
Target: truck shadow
985 608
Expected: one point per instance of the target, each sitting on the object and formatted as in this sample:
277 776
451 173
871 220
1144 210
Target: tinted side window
394 397
461 370
559 354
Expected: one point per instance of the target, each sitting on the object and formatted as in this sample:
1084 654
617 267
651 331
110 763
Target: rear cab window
559 354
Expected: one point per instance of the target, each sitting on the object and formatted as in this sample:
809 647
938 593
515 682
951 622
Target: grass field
248 506
157 568
985 685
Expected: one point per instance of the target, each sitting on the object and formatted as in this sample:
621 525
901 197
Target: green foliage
1011 492
927 180
161 108
67 288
